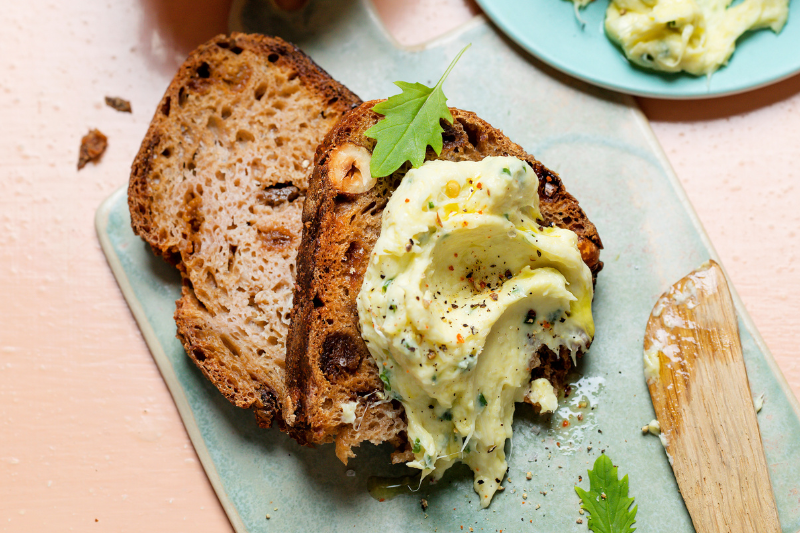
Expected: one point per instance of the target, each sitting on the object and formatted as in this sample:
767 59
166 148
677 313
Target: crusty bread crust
217 189
327 361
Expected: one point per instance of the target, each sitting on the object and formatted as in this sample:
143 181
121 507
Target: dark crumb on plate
120 104
93 144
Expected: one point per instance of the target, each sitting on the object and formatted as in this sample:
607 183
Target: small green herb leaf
385 378
386 284
410 125
429 461
506 171
607 499
430 205
417 446
482 400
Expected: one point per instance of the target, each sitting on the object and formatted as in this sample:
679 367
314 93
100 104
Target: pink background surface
90 439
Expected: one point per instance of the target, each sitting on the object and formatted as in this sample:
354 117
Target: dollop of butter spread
696 36
463 287
348 412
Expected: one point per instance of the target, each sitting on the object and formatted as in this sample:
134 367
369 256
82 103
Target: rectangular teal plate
606 153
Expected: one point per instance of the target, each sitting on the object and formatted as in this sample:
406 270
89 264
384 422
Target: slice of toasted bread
217 188
328 364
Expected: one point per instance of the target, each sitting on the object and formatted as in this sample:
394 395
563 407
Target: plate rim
488 7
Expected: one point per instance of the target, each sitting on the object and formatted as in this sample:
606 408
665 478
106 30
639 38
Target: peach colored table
90 439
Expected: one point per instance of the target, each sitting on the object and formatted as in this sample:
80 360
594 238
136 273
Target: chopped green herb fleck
430 205
530 318
386 284
385 378
482 400
417 446
506 171
447 415
429 461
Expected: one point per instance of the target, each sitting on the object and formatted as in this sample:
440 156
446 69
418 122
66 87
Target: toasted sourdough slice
328 364
217 188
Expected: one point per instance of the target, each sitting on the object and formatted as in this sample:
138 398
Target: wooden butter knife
698 383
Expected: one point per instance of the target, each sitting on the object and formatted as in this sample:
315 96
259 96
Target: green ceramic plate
604 150
549 30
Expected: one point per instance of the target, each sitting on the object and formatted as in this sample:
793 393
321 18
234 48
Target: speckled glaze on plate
604 150
549 30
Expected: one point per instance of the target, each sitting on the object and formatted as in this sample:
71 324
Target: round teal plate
549 30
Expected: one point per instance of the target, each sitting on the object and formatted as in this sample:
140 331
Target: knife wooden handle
704 405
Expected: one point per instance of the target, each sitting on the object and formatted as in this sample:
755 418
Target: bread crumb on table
93 144
119 104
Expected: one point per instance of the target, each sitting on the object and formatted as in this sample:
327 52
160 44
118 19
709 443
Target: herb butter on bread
462 288
217 189
329 366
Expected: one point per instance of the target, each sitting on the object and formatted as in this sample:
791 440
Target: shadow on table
716 108
172 28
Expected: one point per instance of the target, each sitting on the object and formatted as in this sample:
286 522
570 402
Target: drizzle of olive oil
386 488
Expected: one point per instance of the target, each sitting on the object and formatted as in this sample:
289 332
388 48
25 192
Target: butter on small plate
550 30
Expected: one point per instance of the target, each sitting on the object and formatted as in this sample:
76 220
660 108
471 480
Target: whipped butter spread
463 287
696 36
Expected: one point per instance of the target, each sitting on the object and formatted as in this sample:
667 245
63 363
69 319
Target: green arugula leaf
410 125
607 499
